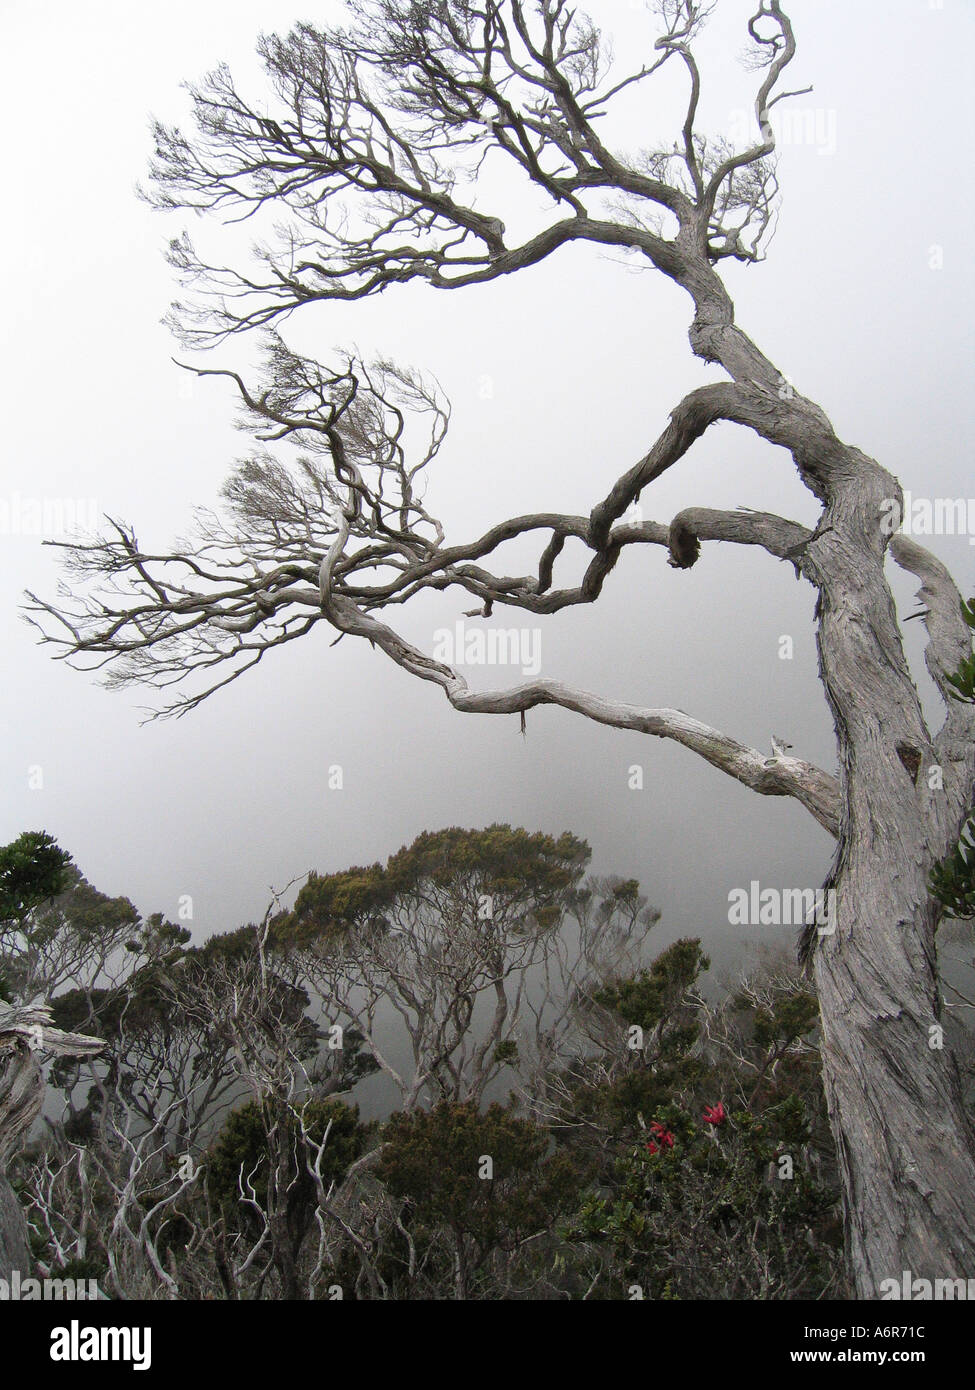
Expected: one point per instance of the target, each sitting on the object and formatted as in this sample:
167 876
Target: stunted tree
34 870
688 1133
371 173
472 939
434 1162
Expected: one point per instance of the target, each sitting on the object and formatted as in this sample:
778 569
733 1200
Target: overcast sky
559 378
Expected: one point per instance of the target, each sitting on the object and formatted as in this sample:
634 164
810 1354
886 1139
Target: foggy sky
560 378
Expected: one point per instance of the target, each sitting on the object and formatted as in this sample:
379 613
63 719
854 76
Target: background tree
373 172
33 870
486 1179
649 1149
114 1185
706 1125
261 1172
474 937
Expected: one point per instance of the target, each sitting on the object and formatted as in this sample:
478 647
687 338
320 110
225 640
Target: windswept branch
777 776
344 532
382 129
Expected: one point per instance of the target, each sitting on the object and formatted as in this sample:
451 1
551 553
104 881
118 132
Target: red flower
663 1136
714 1114
652 1148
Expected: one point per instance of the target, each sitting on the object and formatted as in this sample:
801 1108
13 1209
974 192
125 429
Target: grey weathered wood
25 1035
14 1250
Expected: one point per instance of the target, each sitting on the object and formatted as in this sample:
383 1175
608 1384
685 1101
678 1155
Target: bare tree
366 178
27 1036
476 965
222 1025
434 973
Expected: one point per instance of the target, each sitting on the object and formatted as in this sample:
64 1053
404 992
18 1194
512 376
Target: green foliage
91 1267
963 680
242 1147
142 1000
144 1004
793 1016
691 1200
649 997
234 947
952 882
159 939
85 913
59 930
506 863
676 1218
641 1081
523 873
433 1161
32 869
330 902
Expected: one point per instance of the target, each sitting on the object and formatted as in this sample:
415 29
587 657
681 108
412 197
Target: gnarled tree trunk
905 1142
906 1146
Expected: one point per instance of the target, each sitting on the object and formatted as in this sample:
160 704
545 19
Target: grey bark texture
25 1034
14 1250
